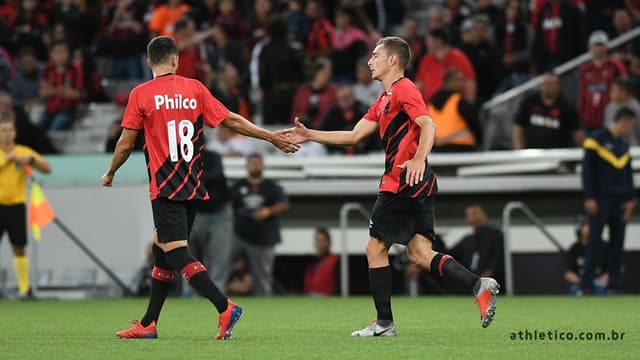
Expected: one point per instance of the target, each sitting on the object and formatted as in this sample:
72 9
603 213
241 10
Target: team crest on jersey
387 107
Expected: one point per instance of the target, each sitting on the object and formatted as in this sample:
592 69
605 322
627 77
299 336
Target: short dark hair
624 113
325 232
625 84
277 27
161 49
398 47
254 155
441 34
59 43
182 24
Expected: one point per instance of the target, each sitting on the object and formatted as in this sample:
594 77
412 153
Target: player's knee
375 249
19 251
418 259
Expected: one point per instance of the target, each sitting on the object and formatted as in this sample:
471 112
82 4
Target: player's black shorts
13 218
397 219
173 219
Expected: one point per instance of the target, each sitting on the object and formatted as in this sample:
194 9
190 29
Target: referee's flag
40 212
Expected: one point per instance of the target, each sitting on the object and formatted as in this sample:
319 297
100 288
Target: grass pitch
319 328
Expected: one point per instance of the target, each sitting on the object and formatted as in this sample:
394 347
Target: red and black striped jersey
593 97
395 111
171 110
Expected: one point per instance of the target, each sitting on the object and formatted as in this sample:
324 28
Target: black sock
161 279
449 269
380 282
192 270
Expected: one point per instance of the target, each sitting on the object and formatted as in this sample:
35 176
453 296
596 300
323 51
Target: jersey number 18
185 131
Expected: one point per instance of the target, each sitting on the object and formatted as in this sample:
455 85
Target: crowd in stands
274 60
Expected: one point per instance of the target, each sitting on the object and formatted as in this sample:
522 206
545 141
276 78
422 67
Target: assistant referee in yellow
13 195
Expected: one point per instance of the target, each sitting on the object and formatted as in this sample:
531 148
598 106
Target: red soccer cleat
227 320
137 331
486 300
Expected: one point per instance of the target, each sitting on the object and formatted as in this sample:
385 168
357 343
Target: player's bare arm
279 139
415 167
363 129
124 147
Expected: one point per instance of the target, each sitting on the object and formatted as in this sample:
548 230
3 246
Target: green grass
316 328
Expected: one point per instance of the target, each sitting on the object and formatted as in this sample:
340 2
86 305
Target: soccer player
13 195
171 110
404 210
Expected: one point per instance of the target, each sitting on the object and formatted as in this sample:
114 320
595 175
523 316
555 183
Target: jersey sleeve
213 112
133 114
412 102
371 114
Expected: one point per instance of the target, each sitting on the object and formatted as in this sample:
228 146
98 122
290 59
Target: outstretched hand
282 140
299 133
415 171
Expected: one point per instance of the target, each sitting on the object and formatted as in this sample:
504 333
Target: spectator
622 23
81 20
204 13
258 21
546 119
227 14
482 251
349 43
120 101
485 59
365 89
634 71
281 71
322 276
62 88
30 28
312 100
621 95
458 11
455 118
440 58
192 64
493 13
298 23
513 40
27 133
575 261
26 84
6 69
258 204
343 116
416 43
92 90
240 280
320 40
164 17
231 93
212 233
559 35
596 77
226 49
124 40
607 180
228 143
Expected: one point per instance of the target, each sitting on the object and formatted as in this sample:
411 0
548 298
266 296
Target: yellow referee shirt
13 179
